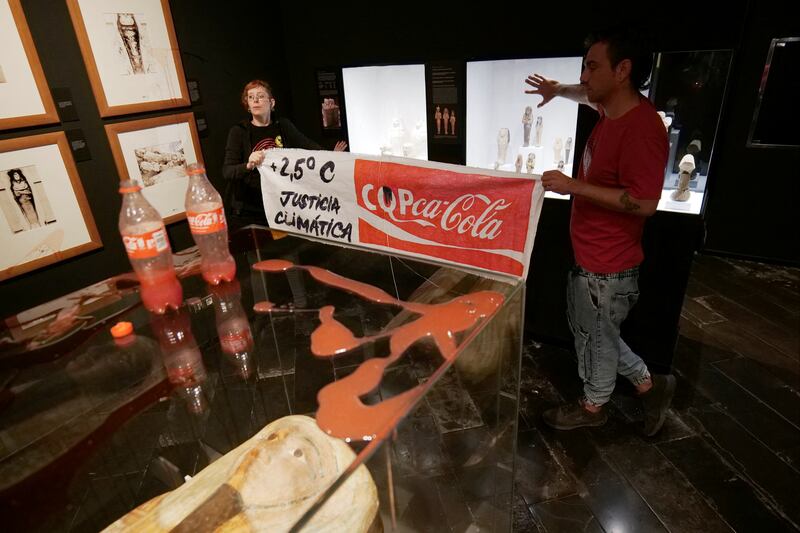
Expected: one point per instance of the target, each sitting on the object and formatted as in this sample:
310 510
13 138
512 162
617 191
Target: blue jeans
597 304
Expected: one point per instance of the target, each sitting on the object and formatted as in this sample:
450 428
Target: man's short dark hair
627 43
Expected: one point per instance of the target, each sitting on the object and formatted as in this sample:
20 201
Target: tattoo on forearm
627 202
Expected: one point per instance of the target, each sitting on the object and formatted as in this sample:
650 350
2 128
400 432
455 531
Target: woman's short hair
252 85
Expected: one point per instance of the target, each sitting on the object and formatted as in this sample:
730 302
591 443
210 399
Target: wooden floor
728 457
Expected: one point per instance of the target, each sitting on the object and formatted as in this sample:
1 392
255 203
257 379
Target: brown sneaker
572 416
656 402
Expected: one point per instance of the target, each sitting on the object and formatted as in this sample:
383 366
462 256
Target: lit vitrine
505 128
386 110
688 89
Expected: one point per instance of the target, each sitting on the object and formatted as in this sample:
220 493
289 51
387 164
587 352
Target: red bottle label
236 341
207 222
146 245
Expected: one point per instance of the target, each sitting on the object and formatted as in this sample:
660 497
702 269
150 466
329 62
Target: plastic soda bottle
208 226
233 328
181 356
146 242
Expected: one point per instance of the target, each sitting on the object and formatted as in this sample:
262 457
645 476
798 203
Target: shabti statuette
527 120
538 131
557 146
568 148
503 138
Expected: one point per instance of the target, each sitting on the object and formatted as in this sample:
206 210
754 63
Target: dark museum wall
223 44
752 209
752 200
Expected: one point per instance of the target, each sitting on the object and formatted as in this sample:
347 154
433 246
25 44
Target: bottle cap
121 329
194 169
128 186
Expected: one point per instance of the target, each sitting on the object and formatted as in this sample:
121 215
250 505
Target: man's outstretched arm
549 89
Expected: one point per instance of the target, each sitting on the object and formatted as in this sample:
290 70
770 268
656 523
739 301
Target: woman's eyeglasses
257 97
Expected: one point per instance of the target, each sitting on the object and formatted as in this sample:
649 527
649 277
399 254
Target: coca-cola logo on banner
434 205
440 208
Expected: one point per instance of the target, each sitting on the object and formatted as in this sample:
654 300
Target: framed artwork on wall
25 99
44 215
154 153
131 54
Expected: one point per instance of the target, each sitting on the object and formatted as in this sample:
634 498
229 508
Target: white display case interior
505 128
386 110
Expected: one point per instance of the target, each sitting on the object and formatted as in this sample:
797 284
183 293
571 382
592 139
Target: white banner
435 211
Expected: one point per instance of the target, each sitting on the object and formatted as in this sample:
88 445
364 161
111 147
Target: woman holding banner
245 149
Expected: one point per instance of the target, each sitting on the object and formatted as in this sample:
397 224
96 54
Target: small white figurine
446 119
518 163
557 146
438 117
527 120
453 122
531 162
503 138
568 148
665 119
686 167
538 131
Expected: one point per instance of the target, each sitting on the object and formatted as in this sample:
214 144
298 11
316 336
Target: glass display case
334 385
688 89
505 128
386 110
772 126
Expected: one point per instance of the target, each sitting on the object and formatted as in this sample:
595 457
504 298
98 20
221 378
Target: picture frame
44 215
25 98
154 153
131 54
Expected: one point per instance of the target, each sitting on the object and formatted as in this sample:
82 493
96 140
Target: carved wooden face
289 462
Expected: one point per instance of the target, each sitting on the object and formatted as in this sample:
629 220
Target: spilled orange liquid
341 412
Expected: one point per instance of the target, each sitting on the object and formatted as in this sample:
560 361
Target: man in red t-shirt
618 185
